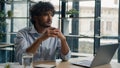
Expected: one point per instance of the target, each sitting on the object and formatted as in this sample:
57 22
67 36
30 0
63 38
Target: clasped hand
52 32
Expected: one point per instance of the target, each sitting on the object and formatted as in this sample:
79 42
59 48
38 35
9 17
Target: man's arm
34 46
64 45
47 33
65 50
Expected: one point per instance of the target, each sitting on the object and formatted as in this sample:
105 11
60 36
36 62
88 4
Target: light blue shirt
47 50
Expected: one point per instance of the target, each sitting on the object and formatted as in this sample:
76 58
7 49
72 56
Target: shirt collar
33 30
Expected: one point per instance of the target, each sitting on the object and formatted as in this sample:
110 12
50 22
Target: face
44 20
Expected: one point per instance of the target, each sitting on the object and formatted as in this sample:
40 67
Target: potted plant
10 13
2 24
72 12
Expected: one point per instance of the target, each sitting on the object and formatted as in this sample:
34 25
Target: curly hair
39 8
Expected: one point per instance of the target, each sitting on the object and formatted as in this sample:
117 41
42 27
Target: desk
60 64
6 49
6 45
67 64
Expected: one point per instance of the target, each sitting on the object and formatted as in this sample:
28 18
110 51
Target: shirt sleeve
64 57
20 46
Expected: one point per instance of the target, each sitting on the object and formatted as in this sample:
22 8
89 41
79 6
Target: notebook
44 66
103 56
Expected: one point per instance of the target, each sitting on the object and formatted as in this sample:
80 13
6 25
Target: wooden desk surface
67 64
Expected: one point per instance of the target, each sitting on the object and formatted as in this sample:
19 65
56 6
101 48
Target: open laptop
103 56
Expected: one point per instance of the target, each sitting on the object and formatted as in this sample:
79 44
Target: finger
56 33
52 35
51 28
50 32
56 30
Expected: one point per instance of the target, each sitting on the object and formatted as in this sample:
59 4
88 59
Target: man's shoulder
26 29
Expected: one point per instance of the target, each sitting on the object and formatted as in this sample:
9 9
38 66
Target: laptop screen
103 56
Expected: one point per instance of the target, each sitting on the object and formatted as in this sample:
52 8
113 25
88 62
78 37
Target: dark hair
39 8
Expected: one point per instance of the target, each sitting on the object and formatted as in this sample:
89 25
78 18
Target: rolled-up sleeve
20 46
66 57
62 56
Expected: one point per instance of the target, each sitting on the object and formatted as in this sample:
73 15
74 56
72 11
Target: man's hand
52 32
59 34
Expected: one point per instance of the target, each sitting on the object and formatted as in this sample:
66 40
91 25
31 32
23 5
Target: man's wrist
40 39
63 39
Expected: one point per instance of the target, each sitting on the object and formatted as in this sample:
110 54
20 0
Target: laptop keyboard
84 63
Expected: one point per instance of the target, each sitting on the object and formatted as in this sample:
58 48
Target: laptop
103 56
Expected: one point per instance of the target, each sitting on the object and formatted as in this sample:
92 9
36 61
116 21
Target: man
41 39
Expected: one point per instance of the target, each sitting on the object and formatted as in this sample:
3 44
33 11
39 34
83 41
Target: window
102 27
108 26
91 25
115 1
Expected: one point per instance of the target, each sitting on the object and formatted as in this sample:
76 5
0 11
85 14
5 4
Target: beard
45 25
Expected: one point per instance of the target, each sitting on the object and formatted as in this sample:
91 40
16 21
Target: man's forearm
64 46
34 46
